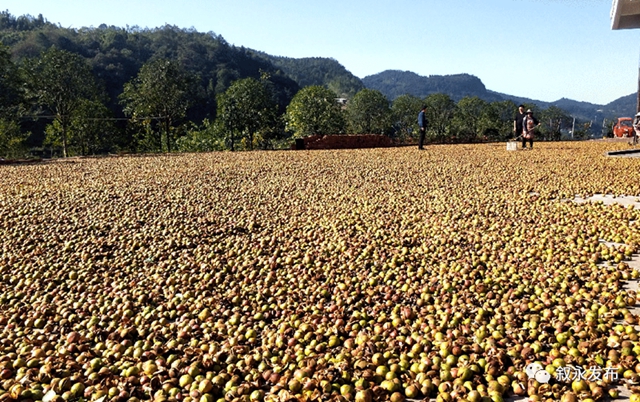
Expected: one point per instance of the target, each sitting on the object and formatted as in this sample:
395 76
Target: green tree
60 82
404 114
369 112
11 94
553 119
583 130
207 137
12 143
470 118
91 129
11 99
498 120
314 110
162 92
245 110
440 111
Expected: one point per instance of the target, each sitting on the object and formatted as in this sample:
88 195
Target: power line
96 118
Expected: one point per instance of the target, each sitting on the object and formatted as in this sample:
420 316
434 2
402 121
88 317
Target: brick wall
346 141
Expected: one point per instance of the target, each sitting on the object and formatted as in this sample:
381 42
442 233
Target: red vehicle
623 128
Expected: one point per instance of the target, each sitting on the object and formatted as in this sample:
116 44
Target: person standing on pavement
517 121
529 124
422 123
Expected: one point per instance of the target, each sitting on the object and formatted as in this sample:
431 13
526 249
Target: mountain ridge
322 71
393 83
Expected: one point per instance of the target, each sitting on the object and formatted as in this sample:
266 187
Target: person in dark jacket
517 121
422 123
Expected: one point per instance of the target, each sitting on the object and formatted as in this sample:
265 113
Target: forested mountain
321 71
394 83
116 54
625 106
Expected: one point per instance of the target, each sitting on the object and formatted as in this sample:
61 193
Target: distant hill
621 107
318 71
393 83
625 106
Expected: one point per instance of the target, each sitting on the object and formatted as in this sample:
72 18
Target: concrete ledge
343 142
625 152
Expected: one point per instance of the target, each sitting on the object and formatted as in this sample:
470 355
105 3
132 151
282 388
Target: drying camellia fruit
354 275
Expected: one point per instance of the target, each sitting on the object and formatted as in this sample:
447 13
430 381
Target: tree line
471 119
100 90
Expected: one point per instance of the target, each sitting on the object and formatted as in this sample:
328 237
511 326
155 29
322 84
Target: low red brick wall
346 141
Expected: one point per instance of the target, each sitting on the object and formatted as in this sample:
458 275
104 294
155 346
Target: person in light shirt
636 128
529 125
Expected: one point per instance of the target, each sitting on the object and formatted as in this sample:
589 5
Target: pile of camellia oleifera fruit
351 275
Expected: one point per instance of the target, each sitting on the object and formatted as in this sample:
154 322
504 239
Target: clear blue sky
541 49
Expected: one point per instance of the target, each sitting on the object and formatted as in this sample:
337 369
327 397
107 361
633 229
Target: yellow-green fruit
193 371
579 386
185 380
346 389
77 389
569 397
257 395
389 385
444 397
149 368
295 386
365 395
474 396
206 398
411 391
205 386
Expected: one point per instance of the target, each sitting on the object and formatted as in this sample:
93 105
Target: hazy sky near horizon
540 49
